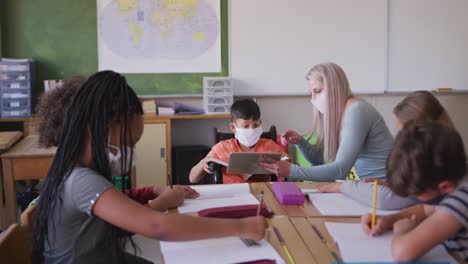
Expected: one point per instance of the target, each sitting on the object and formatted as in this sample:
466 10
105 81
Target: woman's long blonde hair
327 126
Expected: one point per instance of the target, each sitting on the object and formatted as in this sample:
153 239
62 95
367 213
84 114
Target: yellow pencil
283 245
374 204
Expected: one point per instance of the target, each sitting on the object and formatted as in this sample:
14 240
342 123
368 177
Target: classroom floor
150 248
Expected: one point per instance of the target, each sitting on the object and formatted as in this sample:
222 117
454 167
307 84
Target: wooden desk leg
10 198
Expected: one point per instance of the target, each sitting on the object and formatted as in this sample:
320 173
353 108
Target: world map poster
159 36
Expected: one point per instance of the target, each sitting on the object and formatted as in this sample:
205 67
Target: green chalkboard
61 37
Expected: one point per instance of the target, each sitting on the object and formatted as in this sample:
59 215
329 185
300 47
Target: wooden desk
306 210
25 123
7 140
25 161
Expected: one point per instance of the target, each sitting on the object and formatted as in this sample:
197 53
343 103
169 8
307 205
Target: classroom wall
295 111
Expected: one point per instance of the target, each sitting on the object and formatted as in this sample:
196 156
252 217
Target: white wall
295 113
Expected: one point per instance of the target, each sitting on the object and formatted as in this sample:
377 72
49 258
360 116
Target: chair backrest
16 245
220 136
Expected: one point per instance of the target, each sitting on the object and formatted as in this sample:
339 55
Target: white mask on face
248 136
320 102
115 160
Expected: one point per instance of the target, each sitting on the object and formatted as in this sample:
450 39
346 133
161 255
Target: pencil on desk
283 245
374 204
260 204
337 258
317 231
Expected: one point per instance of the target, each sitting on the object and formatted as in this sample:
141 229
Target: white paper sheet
221 190
357 246
337 204
309 191
218 195
219 250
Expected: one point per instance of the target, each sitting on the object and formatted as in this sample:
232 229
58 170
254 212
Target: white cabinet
151 150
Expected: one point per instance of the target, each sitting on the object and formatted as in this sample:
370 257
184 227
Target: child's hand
171 198
404 225
331 188
382 225
280 168
206 167
189 192
253 228
291 136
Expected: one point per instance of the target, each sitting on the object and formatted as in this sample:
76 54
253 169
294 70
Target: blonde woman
350 133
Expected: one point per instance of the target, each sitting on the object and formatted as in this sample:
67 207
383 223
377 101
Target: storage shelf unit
16 81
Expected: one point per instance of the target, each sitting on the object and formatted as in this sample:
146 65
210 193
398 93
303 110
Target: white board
428 45
273 43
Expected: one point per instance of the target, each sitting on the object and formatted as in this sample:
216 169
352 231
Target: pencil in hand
374 204
260 204
169 179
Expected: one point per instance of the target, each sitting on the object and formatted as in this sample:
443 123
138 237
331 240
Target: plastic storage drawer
14 93
219 108
26 112
15 84
14 76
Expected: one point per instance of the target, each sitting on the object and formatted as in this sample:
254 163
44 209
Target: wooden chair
217 177
16 245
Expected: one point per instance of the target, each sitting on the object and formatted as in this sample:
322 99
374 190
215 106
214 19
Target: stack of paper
219 250
337 204
356 246
218 195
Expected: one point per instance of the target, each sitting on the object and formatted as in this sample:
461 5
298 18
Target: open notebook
218 195
337 204
218 250
357 246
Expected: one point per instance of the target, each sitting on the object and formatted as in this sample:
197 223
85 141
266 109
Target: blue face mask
434 201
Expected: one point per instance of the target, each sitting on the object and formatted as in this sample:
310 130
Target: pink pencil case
288 193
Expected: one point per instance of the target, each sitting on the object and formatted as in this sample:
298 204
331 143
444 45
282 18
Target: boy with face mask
247 128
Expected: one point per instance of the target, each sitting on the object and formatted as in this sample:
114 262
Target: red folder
238 211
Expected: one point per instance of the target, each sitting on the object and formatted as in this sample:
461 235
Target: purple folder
288 193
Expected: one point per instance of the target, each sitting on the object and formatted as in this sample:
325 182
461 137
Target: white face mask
115 160
320 102
248 136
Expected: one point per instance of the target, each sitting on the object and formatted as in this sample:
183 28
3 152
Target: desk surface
29 148
305 210
8 139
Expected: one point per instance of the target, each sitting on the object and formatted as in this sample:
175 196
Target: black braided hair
103 98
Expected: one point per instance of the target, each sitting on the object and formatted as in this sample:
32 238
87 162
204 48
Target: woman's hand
291 137
331 188
280 168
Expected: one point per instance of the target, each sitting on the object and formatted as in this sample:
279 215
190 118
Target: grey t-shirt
80 237
365 142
